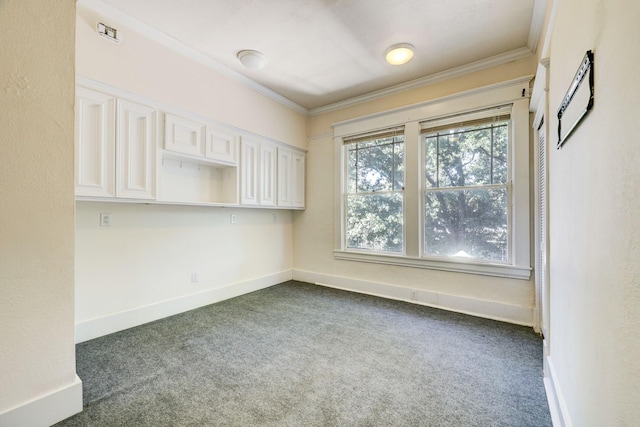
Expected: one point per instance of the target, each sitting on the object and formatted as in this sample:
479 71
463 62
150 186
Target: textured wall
594 225
36 199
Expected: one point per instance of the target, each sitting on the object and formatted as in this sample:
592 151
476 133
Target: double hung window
374 191
466 189
443 185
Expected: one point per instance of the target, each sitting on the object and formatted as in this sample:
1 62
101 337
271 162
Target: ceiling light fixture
399 54
252 59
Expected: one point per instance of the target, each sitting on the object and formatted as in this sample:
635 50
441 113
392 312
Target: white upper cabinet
136 151
291 170
131 148
115 143
196 138
267 174
221 145
95 144
182 135
249 169
257 172
284 177
298 160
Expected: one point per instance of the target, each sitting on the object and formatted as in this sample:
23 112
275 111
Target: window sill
481 268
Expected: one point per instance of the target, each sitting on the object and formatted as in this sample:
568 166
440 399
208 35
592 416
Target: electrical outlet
105 220
414 295
232 218
195 277
275 218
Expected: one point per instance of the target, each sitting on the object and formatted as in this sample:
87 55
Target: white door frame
539 106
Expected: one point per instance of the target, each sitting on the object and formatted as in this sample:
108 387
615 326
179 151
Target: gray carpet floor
298 354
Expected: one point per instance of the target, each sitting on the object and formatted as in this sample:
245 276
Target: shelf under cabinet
195 180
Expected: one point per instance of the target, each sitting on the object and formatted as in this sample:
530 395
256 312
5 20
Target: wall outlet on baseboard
413 296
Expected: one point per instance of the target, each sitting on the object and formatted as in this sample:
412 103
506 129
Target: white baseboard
46 410
519 315
115 322
557 405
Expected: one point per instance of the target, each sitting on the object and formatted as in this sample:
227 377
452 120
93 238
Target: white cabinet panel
298 179
183 135
95 144
136 151
221 145
291 170
284 177
249 157
257 172
267 174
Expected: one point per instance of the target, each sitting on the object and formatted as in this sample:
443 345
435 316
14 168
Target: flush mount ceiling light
252 59
399 54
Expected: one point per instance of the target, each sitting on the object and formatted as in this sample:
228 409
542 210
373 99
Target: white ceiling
321 52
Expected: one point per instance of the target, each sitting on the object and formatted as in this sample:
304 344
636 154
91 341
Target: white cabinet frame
136 151
95 143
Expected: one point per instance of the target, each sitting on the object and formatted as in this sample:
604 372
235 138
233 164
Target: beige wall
140 268
314 228
149 69
594 226
37 355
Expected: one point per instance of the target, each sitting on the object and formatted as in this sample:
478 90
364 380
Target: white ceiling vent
108 32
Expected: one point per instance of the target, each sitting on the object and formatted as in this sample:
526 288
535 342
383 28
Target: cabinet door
284 177
221 145
267 174
249 155
297 179
136 151
183 135
95 144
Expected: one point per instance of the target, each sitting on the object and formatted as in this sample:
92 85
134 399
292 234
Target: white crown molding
549 29
109 12
500 93
427 80
537 21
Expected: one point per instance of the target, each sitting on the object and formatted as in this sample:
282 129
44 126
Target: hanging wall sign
578 101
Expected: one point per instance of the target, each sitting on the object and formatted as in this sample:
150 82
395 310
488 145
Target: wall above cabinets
131 149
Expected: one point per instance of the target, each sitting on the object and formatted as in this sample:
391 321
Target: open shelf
187 180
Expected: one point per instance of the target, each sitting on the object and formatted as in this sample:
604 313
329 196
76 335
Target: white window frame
345 194
513 92
453 121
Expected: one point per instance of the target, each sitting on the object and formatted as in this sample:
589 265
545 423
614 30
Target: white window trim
344 194
513 92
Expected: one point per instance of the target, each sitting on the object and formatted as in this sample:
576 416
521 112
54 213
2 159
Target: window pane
467 223
467 156
374 221
375 165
